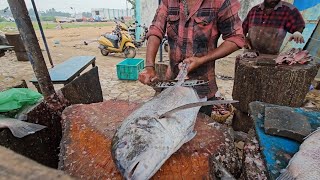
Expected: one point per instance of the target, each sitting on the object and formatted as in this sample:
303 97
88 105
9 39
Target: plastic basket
129 68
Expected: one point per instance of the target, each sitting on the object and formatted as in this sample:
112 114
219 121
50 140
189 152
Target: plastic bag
15 98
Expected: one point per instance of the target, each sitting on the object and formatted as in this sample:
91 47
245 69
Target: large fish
145 141
305 164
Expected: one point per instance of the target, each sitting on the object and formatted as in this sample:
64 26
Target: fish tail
21 129
286 175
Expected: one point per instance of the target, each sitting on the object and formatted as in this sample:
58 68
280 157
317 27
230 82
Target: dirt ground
65 43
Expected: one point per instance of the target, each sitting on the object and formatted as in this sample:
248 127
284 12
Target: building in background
103 14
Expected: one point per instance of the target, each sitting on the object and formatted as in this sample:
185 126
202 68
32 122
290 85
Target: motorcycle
131 29
119 41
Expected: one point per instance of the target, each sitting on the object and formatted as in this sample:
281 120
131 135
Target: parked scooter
118 41
131 29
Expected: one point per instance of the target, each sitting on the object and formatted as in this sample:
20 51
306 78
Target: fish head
141 149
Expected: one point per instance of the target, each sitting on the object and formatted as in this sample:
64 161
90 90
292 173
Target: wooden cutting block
282 84
88 131
18 167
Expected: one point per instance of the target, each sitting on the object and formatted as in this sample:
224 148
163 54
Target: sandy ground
70 43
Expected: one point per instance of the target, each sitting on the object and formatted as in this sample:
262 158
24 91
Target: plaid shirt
272 26
198 33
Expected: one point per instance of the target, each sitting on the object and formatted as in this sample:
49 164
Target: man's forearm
152 49
223 50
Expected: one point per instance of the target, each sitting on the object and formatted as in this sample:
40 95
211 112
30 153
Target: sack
16 98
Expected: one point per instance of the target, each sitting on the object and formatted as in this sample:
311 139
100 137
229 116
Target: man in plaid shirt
193 28
268 23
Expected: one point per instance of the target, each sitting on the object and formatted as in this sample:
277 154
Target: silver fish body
144 141
305 164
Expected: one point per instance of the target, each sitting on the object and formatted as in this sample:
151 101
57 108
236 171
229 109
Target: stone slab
285 122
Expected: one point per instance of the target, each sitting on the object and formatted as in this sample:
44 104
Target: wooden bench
67 71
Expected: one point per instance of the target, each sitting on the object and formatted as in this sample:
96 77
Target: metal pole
30 41
127 7
161 53
138 18
161 43
42 33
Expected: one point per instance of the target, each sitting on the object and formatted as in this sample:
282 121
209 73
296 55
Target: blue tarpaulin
277 151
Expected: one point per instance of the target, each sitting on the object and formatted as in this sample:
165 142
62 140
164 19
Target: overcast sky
79 5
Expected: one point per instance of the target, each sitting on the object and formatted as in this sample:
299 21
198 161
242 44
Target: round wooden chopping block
259 79
88 131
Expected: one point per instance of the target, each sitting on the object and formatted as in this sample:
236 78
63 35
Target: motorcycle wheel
104 52
130 52
138 44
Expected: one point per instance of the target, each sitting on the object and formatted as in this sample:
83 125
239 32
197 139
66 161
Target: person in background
267 24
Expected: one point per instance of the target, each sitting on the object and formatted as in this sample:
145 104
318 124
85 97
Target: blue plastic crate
129 68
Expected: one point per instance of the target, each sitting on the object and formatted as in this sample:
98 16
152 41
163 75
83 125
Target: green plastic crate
129 68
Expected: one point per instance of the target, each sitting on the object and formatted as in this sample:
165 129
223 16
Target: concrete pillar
138 18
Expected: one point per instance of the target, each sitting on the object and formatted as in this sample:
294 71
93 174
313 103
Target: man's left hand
297 37
194 63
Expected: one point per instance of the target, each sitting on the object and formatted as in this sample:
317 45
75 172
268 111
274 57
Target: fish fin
196 104
21 129
186 139
286 175
190 136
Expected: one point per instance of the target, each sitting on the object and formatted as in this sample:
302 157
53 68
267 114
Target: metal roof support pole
161 43
42 33
138 18
30 41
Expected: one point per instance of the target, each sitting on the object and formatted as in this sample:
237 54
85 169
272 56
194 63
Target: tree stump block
88 131
257 79
18 167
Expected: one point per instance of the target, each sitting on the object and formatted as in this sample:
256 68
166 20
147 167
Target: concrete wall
110 14
148 10
246 5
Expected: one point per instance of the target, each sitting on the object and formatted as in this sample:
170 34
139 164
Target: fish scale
306 162
168 134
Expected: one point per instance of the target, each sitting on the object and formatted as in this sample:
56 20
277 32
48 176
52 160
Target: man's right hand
148 75
297 37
